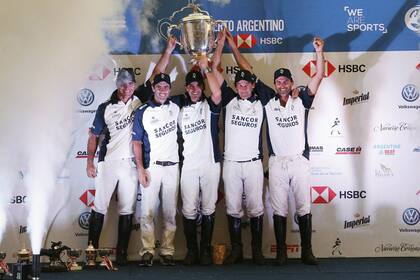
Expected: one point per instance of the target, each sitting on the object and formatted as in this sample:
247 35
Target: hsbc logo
99 73
310 68
88 198
245 41
322 194
411 216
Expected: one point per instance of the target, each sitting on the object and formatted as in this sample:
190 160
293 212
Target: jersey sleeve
264 92
138 128
99 122
215 109
227 93
305 97
144 92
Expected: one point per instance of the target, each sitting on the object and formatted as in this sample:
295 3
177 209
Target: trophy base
75 268
90 266
54 268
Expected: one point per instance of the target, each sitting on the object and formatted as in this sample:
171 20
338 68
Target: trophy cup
197 31
54 253
104 253
91 254
73 255
4 268
22 269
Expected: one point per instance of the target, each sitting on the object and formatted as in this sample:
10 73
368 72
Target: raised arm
217 56
212 80
314 83
240 59
164 58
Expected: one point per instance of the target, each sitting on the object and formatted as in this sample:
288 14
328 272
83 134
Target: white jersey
287 126
198 124
156 127
243 122
114 118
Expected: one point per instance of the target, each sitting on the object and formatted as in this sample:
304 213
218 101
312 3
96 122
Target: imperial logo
310 68
322 194
99 73
88 198
359 98
245 41
357 222
349 150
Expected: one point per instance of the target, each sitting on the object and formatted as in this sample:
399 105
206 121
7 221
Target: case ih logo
310 68
322 194
245 41
100 73
88 197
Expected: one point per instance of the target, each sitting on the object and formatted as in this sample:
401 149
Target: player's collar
251 99
188 100
114 97
153 103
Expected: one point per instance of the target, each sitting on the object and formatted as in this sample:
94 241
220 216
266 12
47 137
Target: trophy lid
196 16
90 247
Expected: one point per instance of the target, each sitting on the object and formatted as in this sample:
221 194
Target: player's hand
203 63
221 37
171 44
318 44
144 177
295 93
91 170
230 40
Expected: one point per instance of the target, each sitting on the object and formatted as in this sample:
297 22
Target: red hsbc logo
322 194
418 67
100 73
310 68
245 41
88 197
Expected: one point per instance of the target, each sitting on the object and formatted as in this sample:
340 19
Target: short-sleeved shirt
287 126
198 123
114 119
155 125
243 123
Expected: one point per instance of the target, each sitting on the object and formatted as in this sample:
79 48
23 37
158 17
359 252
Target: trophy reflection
73 255
91 254
197 31
4 268
105 253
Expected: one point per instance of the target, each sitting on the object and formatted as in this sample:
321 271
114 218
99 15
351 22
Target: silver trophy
197 31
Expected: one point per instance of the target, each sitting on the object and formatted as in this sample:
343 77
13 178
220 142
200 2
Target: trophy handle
168 33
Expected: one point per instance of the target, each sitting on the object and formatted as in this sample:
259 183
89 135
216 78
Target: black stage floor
347 268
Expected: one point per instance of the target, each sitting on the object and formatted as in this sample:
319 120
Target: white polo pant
195 179
240 179
289 173
163 183
109 173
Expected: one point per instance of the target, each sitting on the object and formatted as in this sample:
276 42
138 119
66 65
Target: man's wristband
207 70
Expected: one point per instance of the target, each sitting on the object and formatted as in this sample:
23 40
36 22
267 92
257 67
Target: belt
253 159
165 163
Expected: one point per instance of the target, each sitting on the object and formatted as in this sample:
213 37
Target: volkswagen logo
411 216
85 97
410 93
84 220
